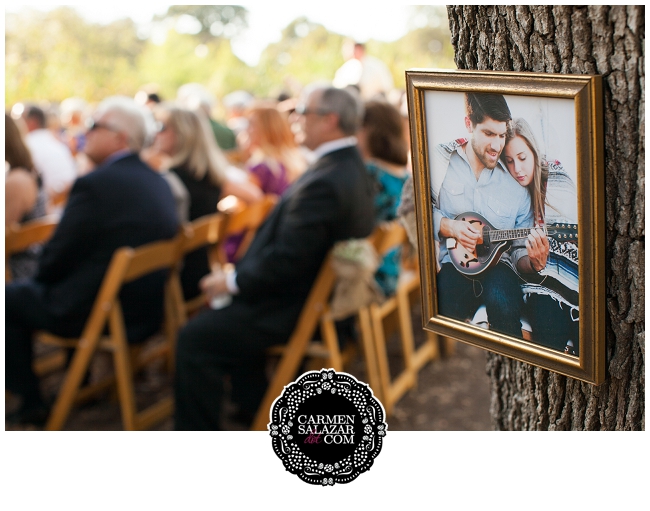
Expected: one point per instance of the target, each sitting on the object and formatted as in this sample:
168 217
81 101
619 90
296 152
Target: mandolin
495 242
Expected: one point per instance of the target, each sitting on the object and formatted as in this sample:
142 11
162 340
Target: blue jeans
498 289
552 325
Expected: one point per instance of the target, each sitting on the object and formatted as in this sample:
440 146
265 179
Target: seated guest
122 202
193 155
382 144
196 97
73 122
52 158
24 196
236 103
275 160
331 201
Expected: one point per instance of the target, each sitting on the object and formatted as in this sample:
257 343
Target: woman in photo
550 295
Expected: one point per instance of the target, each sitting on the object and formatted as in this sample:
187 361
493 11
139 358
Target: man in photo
467 176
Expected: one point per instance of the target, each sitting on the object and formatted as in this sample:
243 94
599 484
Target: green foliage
306 53
54 55
214 20
421 48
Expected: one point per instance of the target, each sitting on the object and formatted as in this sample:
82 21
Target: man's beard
483 158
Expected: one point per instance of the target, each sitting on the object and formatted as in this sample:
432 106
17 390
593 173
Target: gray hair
346 105
127 116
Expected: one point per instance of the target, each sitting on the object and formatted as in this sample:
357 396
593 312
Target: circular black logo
327 427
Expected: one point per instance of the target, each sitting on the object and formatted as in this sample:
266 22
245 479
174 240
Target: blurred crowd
254 144
210 151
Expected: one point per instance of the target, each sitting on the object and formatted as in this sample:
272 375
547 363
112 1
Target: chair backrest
310 316
251 216
128 264
247 220
19 237
208 230
388 236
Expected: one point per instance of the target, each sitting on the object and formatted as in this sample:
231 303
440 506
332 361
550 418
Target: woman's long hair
16 151
196 149
385 132
276 141
537 187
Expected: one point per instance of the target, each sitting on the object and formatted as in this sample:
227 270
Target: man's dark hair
37 114
479 105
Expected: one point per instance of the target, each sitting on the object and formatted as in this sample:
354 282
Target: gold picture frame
565 111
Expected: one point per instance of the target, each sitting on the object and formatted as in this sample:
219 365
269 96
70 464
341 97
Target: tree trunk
610 41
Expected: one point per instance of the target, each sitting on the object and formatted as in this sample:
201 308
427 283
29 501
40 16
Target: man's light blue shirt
496 196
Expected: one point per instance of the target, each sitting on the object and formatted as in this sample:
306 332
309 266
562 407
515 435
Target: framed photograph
509 195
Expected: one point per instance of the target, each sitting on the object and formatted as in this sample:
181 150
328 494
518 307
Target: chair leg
406 332
71 384
284 373
369 353
123 370
331 342
172 325
449 346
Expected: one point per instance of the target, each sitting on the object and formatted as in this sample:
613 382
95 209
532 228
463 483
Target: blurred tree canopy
211 20
58 54
54 55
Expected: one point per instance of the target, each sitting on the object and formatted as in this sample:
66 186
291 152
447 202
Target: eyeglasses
303 110
92 125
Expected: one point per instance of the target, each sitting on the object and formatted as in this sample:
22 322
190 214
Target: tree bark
610 41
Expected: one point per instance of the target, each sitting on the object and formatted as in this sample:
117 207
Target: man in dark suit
122 202
332 201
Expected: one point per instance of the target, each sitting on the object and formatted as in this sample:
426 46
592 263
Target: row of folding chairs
375 322
105 329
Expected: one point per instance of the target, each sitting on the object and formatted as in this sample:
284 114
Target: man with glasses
331 201
122 202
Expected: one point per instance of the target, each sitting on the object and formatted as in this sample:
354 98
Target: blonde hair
537 187
276 141
196 149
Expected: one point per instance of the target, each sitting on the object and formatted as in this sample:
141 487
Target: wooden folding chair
19 237
208 230
408 289
296 348
127 265
247 219
315 312
328 352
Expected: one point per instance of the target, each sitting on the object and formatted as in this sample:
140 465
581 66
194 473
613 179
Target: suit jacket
332 201
122 203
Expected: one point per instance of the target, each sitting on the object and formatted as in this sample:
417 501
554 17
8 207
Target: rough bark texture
606 40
